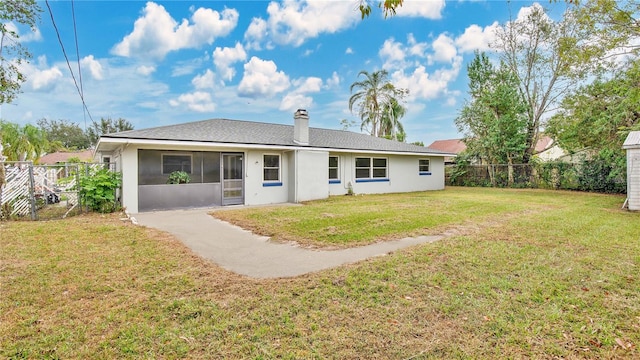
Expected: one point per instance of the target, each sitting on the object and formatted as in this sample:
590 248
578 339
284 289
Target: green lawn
525 274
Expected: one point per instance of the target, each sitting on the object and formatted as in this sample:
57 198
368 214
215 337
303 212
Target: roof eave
114 142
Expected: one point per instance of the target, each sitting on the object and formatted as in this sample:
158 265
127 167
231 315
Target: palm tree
390 125
373 93
22 143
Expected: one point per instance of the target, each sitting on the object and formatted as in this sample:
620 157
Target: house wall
312 180
258 191
129 167
402 175
308 169
633 178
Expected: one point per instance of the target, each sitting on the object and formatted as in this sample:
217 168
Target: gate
41 192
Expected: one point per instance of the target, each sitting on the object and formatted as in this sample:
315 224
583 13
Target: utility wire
75 34
67 59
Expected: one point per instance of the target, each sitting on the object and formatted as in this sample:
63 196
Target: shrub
98 189
179 177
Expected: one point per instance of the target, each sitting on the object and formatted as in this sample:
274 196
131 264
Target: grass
542 275
358 220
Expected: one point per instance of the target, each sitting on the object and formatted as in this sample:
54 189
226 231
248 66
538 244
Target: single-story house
546 149
61 157
243 162
453 146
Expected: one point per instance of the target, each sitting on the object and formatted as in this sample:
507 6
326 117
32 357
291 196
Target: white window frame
264 167
372 168
337 167
421 171
178 154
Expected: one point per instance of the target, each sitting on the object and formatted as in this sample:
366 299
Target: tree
388 7
107 126
12 53
543 56
612 24
494 120
390 125
599 116
63 134
22 143
372 96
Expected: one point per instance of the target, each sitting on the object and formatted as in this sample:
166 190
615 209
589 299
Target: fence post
32 192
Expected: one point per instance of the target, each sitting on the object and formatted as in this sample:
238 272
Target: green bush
605 173
179 177
98 189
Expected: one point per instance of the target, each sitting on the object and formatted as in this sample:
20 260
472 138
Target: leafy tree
24 143
494 119
371 100
612 24
543 57
12 53
390 125
107 126
64 134
596 118
388 7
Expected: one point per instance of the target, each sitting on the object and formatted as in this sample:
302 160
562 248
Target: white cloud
34 35
431 9
40 76
294 101
333 81
255 34
145 70
416 48
204 81
425 85
348 51
262 79
95 68
297 99
156 33
308 85
477 38
444 49
293 22
198 101
45 79
392 53
223 58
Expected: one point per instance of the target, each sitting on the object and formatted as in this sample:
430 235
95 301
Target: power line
75 34
67 60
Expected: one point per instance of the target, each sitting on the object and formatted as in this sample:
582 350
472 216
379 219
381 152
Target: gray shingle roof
257 133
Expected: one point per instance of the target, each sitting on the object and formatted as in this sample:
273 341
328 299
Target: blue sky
165 62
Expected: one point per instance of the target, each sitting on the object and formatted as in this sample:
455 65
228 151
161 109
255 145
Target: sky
159 63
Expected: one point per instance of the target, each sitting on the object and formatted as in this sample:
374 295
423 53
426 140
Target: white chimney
301 127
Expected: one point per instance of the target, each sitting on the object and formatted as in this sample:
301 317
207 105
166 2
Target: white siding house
632 145
251 163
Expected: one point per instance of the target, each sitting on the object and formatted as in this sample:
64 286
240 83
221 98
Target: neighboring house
453 146
60 157
546 149
243 162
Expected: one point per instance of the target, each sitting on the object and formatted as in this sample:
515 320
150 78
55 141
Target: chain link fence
551 175
42 192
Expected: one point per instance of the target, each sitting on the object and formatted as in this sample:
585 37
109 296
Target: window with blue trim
424 167
371 168
271 168
334 161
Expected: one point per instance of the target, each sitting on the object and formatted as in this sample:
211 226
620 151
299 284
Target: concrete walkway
244 253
